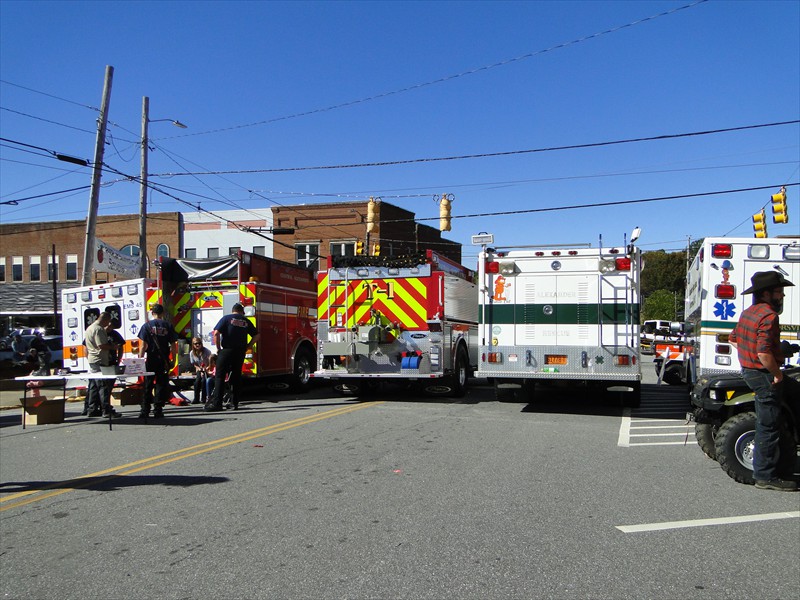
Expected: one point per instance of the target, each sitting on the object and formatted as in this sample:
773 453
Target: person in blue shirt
159 345
231 339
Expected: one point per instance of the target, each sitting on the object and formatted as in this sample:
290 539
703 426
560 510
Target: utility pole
97 170
143 191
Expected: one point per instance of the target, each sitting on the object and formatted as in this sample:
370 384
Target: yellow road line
175 455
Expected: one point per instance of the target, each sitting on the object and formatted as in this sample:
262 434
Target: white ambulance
560 315
719 274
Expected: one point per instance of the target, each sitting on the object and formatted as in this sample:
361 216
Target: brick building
26 260
334 229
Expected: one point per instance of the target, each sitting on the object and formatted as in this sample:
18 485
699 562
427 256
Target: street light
143 180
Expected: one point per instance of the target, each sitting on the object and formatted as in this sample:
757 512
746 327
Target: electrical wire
49 95
491 154
16 112
447 78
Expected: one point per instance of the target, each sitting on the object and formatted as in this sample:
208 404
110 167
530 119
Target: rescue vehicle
126 300
278 298
409 319
718 275
560 314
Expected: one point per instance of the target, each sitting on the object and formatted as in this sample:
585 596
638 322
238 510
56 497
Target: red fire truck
410 318
278 298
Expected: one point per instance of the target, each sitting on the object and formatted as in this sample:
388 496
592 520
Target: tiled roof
30 298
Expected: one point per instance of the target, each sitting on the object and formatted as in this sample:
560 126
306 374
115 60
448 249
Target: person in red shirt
757 340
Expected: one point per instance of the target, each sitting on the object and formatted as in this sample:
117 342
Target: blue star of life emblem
724 310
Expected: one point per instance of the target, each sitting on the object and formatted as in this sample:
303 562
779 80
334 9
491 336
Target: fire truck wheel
459 387
705 434
302 371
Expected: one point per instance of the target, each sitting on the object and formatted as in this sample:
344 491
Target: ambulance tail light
722 349
623 360
622 263
494 357
493 267
246 301
725 291
721 250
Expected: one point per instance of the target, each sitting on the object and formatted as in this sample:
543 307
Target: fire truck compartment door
556 310
272 325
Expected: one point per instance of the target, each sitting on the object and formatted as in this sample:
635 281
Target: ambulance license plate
555 359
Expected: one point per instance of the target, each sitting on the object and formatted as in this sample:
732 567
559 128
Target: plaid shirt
757 332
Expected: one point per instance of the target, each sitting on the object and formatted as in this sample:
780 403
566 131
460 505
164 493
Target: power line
491 154
447 78
16 112
49 95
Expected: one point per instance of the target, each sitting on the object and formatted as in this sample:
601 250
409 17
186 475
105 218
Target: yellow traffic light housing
359 248
376 250
373 214
779 214
444 212
760 224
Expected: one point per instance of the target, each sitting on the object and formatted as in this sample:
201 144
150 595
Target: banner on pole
111 260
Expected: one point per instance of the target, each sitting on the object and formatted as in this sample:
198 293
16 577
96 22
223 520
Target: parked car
5 342
54 342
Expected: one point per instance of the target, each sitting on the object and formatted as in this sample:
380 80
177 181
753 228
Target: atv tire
705 434
735 442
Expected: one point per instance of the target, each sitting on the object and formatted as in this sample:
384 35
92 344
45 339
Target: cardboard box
41 411
126 396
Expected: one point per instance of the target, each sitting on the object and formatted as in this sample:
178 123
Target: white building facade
221 234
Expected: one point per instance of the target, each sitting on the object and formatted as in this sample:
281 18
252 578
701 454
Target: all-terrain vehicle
724 413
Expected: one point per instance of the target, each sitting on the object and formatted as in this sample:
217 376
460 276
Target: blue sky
221 66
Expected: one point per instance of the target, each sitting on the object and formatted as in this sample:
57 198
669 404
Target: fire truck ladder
333 308
612 292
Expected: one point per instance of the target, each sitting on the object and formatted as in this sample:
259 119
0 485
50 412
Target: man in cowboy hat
757 340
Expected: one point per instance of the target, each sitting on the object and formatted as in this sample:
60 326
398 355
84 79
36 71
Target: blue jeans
768 418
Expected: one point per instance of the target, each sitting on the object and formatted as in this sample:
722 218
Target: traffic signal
376 250
359 248
779 214
760 224
444 212
373 214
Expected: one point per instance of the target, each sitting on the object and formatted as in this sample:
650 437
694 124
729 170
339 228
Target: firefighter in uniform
158 340
230 337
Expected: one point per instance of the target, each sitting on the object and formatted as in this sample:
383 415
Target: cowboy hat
767 279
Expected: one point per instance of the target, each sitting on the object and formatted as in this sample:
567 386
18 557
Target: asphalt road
394 497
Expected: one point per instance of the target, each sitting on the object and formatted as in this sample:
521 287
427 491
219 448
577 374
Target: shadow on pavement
109 483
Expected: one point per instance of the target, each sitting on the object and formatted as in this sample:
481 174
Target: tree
664 271
661 304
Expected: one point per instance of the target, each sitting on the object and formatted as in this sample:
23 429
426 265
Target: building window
52 270
307 255
190 253
213 253
233 250
162 250
130 250
16 268
343 248
260 250
35 268
72 267
2 269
